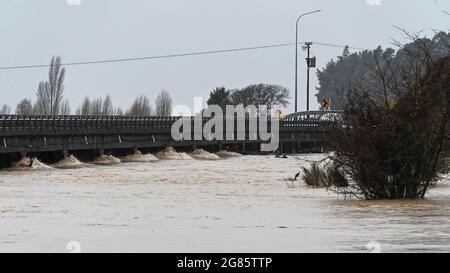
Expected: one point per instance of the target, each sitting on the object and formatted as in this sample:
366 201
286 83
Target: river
240 204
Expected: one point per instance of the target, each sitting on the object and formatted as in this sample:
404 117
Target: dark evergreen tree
361 70
220 97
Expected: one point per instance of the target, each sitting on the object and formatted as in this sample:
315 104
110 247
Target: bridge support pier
23 154
294 148
243 147
65 153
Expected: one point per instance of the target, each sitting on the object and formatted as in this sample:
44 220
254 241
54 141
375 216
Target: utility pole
296 55
311 62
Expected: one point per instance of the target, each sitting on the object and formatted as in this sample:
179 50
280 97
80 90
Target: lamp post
296 55
311 62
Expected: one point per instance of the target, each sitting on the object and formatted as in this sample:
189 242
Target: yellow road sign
278 113
325 104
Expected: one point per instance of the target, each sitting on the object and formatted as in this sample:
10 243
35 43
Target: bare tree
50 93
97 107
140 107
42 105
56 76
261 95
392 146
85 109
65 108
24 107
118 111
107 107
164 104
5 110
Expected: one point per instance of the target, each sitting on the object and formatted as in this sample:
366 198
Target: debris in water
138 156
27 163
228 154
171 153
68 162
107 160
204 155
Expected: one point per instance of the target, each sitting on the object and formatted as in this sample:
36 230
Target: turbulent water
172 154
107 160
68 162
228 154
239 204
138 156
27 163
204 155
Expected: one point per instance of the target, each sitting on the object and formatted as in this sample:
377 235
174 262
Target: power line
340 46
152 57
171 56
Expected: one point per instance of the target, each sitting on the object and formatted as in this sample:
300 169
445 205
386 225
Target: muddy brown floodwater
240 204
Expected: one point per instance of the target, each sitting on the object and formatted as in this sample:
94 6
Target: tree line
360 70
257 94
50 100
140 107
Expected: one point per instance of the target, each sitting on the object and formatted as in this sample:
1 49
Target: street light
296 55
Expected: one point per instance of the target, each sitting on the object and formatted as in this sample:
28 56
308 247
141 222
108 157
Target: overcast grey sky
32 31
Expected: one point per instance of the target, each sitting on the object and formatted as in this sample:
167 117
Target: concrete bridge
57 136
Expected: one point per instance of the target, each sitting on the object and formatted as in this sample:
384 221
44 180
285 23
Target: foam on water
204 155
228 154
27 163
68 162
172 154
107 160
138 156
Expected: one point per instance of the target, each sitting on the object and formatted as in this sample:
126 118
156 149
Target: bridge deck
24 134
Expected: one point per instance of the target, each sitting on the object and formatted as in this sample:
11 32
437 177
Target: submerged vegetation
391 143
328 176
396 152
313 176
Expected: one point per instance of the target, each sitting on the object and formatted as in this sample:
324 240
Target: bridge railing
72 122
